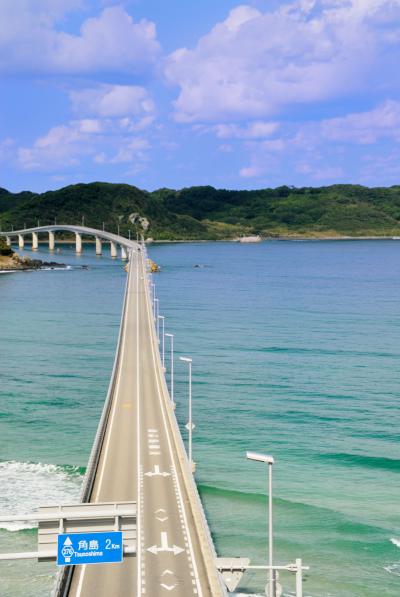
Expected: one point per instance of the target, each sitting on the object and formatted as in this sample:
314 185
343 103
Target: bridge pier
78 243
21 242
124 255
98 246
8 241
35 241
113 249
51 241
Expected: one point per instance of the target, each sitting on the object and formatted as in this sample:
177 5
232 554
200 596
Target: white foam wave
25 486
393 569
395 542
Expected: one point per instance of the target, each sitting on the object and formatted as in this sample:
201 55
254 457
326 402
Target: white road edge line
139 497
198 585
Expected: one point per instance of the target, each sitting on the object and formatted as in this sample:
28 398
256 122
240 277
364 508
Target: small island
11 261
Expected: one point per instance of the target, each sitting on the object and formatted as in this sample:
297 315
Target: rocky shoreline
13 263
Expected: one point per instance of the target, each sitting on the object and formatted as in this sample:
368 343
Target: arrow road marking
165 547
157 472
168 587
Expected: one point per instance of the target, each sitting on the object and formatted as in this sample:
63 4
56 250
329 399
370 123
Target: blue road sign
89 548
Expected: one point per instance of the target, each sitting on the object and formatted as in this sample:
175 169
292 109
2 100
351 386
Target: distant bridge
100 236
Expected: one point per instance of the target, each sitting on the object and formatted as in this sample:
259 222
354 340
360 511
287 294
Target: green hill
208 213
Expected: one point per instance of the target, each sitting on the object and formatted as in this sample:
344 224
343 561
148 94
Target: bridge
99 236
138 456
138 468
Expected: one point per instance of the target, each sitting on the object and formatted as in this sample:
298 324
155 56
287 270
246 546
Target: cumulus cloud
112 101
309 144
111 42
103 141
255 63
253 130
365 127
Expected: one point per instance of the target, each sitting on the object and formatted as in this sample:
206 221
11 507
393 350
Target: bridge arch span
126 245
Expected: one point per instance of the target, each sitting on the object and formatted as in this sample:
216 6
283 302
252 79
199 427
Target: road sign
89 548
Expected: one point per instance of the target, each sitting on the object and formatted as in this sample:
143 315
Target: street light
171 336
163 339
189 426
270 461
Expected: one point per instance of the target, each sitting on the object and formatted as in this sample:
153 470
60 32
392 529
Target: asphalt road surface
141 461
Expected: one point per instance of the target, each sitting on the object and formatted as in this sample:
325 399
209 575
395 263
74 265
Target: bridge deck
141 460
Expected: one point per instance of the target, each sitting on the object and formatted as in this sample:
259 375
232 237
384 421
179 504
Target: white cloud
112 101
251 172
317 146
253 130
60 147
111 42
103 141
134 149
255 63
365 128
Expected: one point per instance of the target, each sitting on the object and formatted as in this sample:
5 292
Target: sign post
89 548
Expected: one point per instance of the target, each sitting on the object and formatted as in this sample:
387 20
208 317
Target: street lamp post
163 339
189 425
270 461
171 336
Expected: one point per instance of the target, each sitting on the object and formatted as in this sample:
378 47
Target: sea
296 354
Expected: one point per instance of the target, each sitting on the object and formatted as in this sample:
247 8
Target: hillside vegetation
207 213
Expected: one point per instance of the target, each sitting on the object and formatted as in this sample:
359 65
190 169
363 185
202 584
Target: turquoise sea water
296 352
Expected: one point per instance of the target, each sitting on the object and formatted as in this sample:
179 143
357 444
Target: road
141 460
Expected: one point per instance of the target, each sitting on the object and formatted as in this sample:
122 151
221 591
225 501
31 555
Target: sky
171 93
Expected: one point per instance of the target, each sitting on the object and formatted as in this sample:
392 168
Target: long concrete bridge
138 456
100 236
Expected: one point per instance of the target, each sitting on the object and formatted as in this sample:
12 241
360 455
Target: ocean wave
27 485
395 541
393 569
378 462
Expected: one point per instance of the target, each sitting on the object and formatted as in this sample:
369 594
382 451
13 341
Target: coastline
277 238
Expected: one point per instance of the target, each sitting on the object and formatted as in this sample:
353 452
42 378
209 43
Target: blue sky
172 94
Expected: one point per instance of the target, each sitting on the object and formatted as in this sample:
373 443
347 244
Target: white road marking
198 589
164 547
157 472
161 515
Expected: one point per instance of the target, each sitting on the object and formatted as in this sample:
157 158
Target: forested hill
208 213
